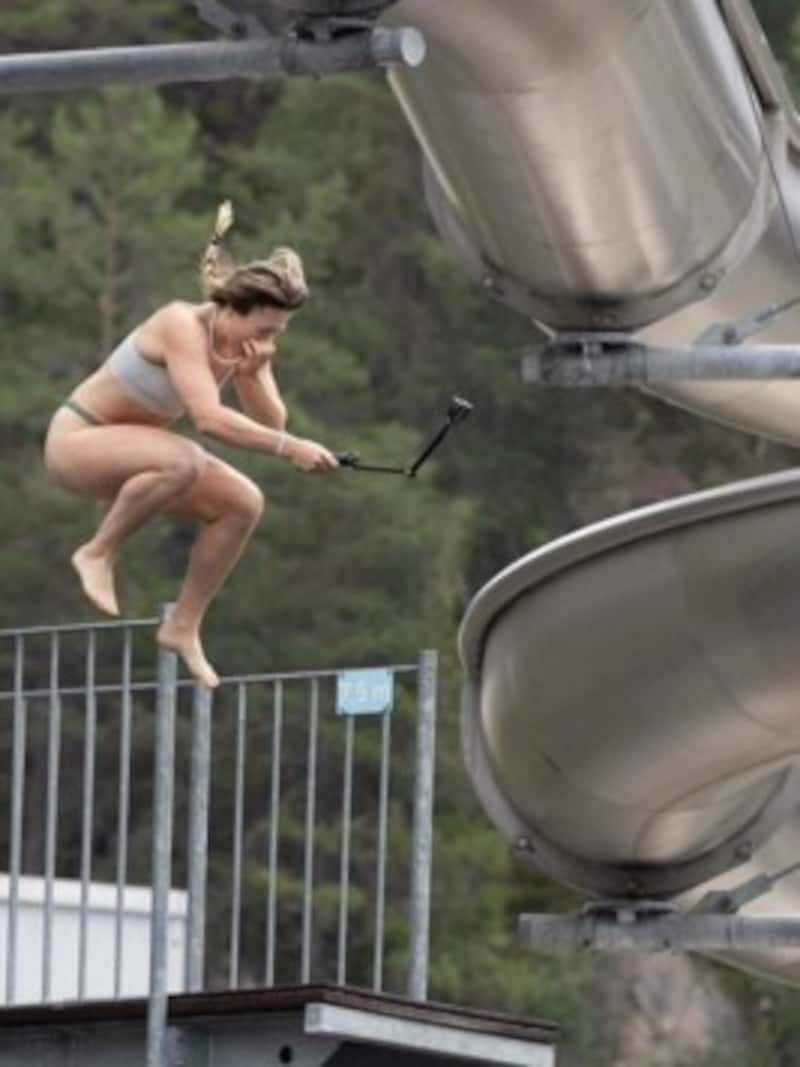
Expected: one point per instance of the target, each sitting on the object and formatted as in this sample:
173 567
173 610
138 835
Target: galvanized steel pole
17 812
199 789
209 60
161 875
123 804
87 818
51 810
592 362
422 834
673 931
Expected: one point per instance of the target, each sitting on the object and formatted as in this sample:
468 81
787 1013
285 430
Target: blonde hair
277 281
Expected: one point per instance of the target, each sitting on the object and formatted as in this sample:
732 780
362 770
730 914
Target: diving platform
199 968
305 1025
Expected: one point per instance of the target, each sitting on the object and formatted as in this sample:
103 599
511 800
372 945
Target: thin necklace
229 364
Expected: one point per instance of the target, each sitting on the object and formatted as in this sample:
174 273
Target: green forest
108 200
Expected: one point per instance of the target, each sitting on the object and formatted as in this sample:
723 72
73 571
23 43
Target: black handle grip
348 459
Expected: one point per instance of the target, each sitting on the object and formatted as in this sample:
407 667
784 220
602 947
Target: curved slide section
603 158
616 165
631 717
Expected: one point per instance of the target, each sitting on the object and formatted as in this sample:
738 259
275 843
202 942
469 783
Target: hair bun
279 279
287 266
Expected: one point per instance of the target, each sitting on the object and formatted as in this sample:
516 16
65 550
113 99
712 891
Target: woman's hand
255 354
308 455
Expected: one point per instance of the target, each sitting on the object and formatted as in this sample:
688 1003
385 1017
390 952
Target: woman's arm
184 353
260 396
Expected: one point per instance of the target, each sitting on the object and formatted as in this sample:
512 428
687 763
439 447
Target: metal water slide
631 715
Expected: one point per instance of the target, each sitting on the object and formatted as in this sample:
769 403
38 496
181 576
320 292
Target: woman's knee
248 501
186 466
223 492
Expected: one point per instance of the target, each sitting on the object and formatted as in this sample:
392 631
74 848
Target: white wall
135 974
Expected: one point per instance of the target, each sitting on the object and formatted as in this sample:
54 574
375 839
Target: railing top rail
188 683
332 672
28 631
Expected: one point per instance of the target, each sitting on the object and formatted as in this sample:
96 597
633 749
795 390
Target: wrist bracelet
281 444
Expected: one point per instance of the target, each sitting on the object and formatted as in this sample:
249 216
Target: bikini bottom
87 416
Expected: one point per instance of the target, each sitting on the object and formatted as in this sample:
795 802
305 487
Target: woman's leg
230 506
139 498
142 468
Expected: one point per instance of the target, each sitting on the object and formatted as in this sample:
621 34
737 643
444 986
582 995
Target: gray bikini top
144 381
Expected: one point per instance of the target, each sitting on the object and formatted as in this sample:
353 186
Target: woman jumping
110 439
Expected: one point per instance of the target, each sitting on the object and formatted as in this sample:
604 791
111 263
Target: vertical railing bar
238 830
308 862
161 870
123 803
87 827
380 877
17 810
53 759
272 892
199 789
344 866
422 831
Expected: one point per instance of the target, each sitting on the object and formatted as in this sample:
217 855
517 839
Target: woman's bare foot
97 578
187 644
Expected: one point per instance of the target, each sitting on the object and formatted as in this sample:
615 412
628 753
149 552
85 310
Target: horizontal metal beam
209 60
642 933
615 360
423 1043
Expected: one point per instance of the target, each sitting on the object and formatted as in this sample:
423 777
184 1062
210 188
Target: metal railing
302 834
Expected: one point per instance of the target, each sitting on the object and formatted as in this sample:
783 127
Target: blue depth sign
364 692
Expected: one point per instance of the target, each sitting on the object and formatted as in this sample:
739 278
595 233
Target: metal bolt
522 844
708 281
744 850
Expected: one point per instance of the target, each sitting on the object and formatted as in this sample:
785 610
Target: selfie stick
457 411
